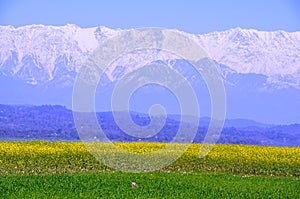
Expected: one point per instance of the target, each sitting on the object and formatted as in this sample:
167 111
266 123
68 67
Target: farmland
149 185
61 169
38 157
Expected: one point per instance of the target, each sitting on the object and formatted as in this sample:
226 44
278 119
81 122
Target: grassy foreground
149 185
67 170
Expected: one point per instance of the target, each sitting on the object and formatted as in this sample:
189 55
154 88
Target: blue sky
191 16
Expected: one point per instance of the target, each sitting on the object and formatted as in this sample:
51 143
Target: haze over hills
261 70
56 123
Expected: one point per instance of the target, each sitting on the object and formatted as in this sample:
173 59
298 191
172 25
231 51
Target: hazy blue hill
49 122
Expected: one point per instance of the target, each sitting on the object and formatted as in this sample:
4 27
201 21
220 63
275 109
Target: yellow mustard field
39 157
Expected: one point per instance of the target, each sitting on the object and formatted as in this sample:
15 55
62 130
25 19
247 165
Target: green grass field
68 170
149 185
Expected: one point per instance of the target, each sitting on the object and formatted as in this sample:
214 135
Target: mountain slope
36 53
253 51
261 70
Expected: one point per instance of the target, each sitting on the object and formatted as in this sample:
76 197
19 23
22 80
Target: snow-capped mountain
274 54
261 70
38 54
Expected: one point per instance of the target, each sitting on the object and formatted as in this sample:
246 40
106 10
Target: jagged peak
244 50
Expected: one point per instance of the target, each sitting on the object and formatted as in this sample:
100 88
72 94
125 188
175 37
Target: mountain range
260 69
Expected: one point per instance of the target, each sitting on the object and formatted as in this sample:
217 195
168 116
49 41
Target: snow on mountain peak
38 53
253 51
